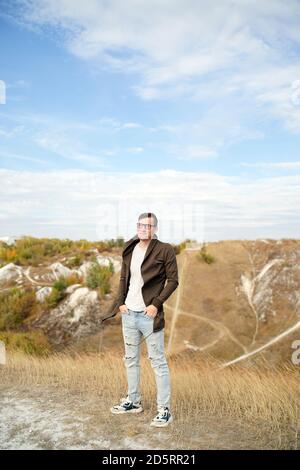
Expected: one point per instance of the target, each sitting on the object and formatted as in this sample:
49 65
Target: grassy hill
230 326
234 298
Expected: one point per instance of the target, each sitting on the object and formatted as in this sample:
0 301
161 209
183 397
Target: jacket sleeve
122 286
172 278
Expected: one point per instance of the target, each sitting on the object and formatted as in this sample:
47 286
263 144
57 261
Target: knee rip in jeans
131 361
161 369
158 362
157 351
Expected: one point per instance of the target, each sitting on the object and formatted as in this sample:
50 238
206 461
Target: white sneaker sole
157 424
123 412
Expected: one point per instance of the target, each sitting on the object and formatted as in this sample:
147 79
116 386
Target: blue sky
110 109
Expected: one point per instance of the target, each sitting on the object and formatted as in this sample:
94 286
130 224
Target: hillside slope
246 300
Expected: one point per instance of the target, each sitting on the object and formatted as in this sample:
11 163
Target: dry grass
266 399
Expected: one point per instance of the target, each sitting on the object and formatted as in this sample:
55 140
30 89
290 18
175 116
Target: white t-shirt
134 299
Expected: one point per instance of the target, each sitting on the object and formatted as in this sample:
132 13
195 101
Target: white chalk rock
72 288
79 301
42 293
59 269
10 272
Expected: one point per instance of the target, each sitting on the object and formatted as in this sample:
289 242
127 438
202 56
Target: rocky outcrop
58 270
10 272
76 316
42 293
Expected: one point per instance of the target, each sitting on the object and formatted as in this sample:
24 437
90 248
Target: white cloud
18 84
69 149
12 132
114 125
15 156
192 152
131 125
66 138
237 75
171 40
274 165
135 149
247 63
97 205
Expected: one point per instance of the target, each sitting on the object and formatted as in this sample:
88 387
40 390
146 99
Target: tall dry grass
249 394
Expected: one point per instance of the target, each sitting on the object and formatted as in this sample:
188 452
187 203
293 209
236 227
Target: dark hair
148 214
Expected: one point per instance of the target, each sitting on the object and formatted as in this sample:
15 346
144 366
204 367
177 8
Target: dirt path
176 308
265 346
54 418
177 311
33 281
215 324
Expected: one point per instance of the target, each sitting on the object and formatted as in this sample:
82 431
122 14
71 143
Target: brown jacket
159 264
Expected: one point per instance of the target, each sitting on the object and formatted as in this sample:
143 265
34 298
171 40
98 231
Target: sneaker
163 418
127 406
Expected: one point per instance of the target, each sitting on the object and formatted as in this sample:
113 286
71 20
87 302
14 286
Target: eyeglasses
148 226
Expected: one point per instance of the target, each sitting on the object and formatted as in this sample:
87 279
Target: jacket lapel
150 247
134 240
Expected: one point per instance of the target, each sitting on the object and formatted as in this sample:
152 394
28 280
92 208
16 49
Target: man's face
144 231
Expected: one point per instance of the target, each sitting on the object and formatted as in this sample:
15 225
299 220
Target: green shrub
58 292
74 262
53 299
74 278
59 287
182 246
61 284
15 306
33 342
204 256
120 242
179 248
30 250
98 277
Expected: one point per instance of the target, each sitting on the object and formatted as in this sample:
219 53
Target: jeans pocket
148 316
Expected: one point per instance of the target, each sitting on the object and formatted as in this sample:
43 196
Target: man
147 263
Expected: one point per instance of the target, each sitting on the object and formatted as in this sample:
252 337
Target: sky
183 108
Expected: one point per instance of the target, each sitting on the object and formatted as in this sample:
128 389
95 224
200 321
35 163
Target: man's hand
151 310
123 309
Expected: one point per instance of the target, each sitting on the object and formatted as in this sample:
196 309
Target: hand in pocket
123 309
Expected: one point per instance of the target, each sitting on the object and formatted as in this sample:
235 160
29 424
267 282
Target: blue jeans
135 324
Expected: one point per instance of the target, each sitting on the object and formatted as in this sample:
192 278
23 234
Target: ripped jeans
135 324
